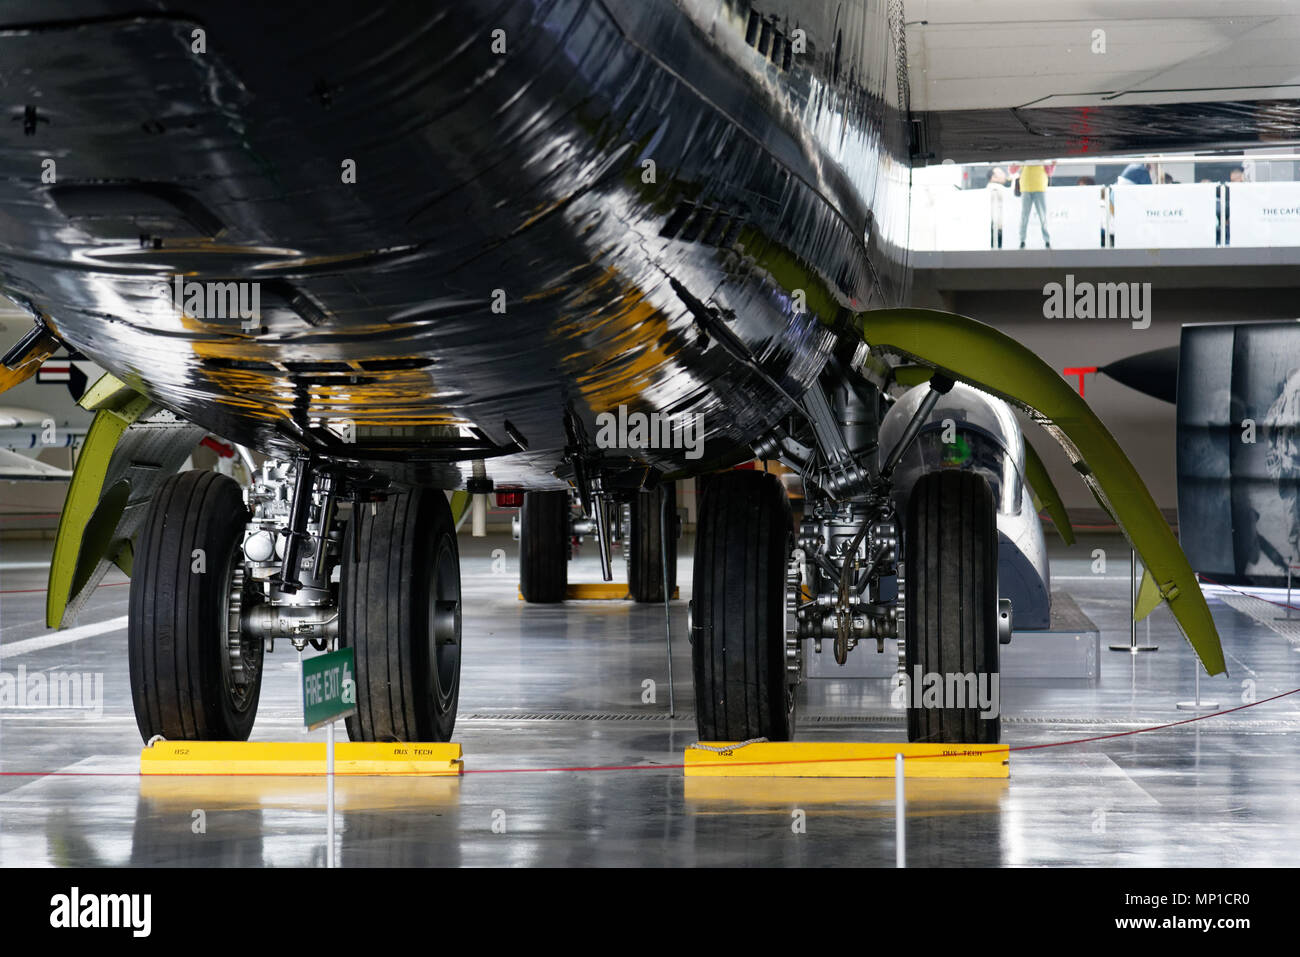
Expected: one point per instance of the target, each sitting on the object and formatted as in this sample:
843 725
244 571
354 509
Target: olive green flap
983 357
1045 493
131 447
85 528
1148 599
460 502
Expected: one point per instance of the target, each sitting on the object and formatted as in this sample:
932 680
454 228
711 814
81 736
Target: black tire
544 547
951 600
742 548
400 614
645 545
183 683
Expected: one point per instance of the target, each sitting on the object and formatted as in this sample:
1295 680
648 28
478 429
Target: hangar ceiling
1019 53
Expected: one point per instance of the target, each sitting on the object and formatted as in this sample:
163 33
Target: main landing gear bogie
765 595
221 573
549 524
762 594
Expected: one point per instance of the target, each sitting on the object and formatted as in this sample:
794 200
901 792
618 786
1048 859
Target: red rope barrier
680 766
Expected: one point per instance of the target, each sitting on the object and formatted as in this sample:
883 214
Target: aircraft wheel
738 613
193 678
951 602
544 547
400 613
645 545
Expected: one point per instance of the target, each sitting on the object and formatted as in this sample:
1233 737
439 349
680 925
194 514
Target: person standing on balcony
1033 195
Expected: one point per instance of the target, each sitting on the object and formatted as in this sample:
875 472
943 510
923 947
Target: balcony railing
1166 216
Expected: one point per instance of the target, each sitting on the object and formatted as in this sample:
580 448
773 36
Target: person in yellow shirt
1033 195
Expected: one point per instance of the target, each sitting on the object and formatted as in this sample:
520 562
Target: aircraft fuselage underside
648 182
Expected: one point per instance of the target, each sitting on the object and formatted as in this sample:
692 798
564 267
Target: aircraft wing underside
15 467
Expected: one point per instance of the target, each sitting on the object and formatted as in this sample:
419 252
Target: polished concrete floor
563 687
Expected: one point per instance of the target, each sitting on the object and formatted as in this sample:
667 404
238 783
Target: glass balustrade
946 217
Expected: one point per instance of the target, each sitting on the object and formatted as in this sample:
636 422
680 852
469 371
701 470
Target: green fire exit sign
329 688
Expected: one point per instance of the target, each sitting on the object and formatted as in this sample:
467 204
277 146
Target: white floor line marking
1090 774
1243 664
21 566
1267 616
56 638
1129 778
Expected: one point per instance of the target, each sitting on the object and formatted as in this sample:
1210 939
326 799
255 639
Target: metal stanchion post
900 814
329 802
1133 647
1198 704
1286 616
664 528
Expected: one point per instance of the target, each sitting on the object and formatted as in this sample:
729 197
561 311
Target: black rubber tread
384 600
951 599
176 633
742 548
645 549
544 547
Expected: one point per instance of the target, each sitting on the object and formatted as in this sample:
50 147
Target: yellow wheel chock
301 758
838 759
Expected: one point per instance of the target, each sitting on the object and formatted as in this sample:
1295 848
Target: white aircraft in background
24 434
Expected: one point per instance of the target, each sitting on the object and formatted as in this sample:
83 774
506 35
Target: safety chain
726 748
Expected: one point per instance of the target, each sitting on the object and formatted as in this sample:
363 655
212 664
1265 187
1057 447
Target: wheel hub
444 621
241 662
793 643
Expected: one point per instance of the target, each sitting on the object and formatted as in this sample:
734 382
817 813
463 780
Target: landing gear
951 602
544 530
644 543
845 574
221 573
194 675
743 688
401 605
